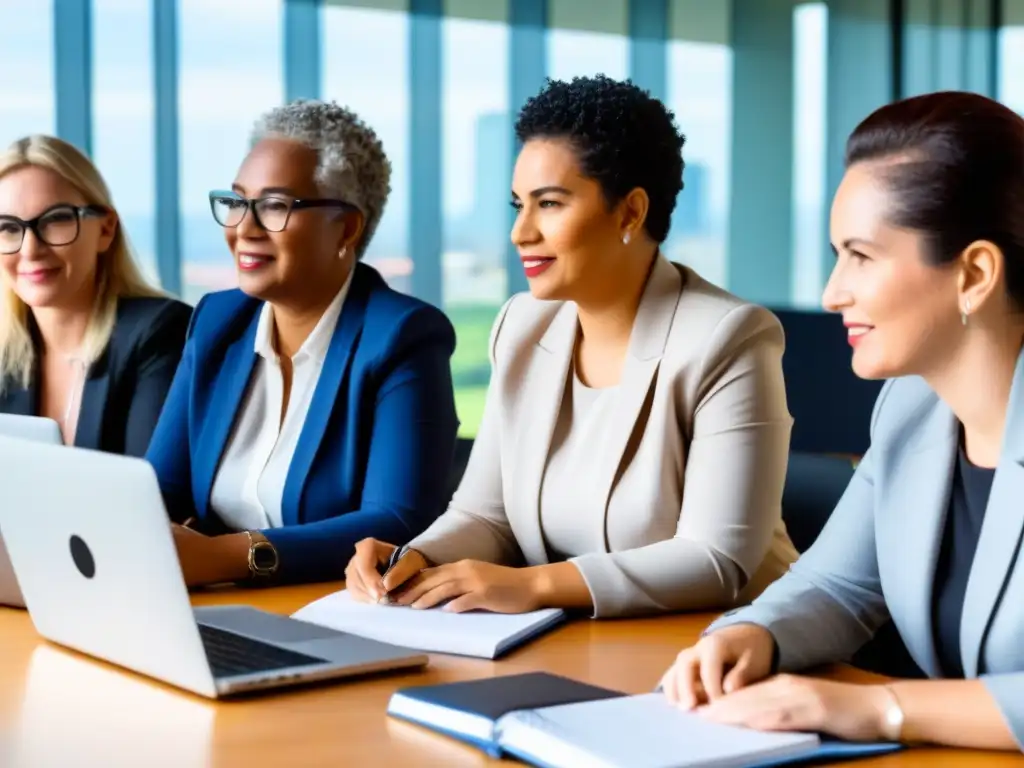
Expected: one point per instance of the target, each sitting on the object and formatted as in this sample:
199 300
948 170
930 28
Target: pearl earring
343 252
625 239
965 311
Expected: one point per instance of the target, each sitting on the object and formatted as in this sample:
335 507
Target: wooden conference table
61 709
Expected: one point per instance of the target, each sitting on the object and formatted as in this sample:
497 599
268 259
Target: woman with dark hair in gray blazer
634 441
928 227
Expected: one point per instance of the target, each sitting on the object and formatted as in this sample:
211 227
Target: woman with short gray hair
314 404
352 165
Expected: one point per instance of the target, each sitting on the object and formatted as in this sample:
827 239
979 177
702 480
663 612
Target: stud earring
965 311
343 252
625 239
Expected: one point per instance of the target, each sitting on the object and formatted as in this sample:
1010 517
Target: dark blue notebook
469 710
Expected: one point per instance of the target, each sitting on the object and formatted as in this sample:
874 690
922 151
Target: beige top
563 512
683 491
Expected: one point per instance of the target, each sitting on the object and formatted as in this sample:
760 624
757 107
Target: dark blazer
125 388
375 450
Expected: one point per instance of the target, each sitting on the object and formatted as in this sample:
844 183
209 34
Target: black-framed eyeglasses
270 211
57 225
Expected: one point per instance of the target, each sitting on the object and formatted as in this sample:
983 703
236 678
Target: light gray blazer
876 556
686 486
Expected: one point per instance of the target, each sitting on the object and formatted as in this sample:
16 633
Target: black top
967 502
126 387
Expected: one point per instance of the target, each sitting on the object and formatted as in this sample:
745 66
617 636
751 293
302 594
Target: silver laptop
41 430
100 574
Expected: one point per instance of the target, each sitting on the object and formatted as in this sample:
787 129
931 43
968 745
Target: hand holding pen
377 569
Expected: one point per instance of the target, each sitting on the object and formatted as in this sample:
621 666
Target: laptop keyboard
230 654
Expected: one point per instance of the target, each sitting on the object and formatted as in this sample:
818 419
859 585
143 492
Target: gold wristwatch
263 559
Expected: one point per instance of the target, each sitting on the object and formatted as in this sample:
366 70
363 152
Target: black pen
396 554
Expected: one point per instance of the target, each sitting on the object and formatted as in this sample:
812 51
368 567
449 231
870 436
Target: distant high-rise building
488 230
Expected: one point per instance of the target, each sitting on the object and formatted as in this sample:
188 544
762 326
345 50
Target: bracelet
893 717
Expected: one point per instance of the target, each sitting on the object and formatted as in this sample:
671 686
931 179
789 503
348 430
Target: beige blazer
686 488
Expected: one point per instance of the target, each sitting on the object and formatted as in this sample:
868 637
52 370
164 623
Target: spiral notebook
646 731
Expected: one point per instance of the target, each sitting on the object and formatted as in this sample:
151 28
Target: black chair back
831 406
814 485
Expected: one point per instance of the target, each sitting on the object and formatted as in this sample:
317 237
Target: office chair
831 406
814 485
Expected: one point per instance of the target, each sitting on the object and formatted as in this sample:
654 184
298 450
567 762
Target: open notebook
469 710
647 732
476 633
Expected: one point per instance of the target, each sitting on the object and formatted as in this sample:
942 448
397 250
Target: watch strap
257 542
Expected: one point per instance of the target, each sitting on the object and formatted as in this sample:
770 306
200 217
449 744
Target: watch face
264 557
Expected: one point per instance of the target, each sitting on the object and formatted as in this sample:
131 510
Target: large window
699 94
810 203
122 104
366 68
588 38
1011 55
476 176
230 71
753 221
26 61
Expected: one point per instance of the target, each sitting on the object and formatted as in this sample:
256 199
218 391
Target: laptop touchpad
261 625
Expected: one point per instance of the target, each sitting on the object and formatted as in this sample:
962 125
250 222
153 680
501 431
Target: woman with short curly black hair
634 443
313 406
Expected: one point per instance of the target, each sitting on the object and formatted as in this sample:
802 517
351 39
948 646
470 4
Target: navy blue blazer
126 386
374 453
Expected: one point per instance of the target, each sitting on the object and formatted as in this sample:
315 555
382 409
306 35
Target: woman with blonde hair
84 339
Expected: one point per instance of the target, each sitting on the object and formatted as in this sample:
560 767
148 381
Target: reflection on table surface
64 710
77 712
